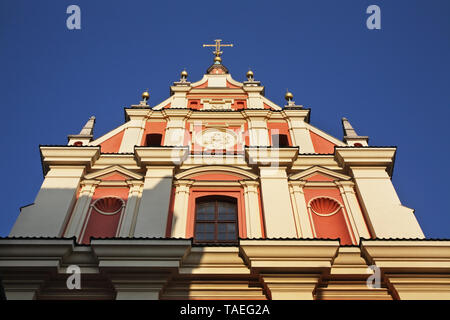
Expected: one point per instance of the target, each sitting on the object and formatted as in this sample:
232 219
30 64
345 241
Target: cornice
268 156
298 255
68 155
140 253
364 156
408 255
160 155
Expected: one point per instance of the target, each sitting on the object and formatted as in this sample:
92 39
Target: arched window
216 220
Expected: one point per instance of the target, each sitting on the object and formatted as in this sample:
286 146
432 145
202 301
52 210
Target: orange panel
154 127
321 145
334 226
319 177
278 128
101 225
112 145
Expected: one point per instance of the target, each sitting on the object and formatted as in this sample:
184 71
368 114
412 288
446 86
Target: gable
114 173
317 173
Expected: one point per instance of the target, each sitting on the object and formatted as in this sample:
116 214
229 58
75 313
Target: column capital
250 184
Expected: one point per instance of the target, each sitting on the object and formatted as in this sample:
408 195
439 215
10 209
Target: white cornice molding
214 260
264 156
61 155
365 156
34 253
145 253
161 155
408 255
300 255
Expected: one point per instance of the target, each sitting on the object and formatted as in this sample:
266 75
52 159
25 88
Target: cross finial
218 45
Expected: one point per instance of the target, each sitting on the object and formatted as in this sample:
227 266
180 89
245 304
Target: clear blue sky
393 84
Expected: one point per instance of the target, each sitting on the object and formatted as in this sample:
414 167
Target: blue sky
393 84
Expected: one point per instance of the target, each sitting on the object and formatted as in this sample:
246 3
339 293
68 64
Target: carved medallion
216 139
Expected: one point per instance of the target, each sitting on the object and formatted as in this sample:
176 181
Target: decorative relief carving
217 139
217 104
324 206
108 205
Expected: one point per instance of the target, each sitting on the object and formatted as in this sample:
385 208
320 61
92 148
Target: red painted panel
154 127
114 177
278 128
112 145
319 177
321 145
334 226
101 225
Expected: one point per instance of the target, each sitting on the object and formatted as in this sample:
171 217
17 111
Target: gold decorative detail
289 96
218 45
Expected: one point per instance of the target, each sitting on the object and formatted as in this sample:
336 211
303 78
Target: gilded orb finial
145 95
184 74
250 75
217 59
288 96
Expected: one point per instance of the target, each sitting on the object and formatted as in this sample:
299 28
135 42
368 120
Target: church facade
219 193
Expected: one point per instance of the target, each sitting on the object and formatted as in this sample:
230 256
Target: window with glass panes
216 220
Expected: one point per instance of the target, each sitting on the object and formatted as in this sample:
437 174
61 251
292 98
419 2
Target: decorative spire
348 129
351 137
88 129
85 136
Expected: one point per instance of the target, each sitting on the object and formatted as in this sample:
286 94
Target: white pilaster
300 135
302 220
176 126
81 208
134 130
180 209
252 209
131 209
257 126
278 215
353 209
154 206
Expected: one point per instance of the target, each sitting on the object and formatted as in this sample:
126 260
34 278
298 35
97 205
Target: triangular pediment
114 173
317 173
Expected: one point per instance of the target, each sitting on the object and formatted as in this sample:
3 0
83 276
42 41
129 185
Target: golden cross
218 45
